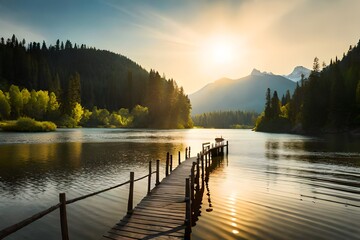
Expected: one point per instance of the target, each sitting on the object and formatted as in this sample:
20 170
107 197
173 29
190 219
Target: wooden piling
227 147
149 179
197 173
63 217
167 167
187 210
157 172
171 163
179 158
202 167
131 193
186 149
192 184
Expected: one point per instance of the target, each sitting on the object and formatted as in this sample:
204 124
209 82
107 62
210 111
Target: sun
218 51
221 52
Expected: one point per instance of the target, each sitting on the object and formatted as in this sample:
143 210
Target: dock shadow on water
203 203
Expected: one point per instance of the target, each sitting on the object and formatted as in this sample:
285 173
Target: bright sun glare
221 53
218 51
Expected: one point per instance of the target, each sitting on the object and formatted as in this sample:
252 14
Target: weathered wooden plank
120 225
154 219
148 231
163 214
151 222
171 232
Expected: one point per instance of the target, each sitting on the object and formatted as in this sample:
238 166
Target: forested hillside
328 101
92 78
226 119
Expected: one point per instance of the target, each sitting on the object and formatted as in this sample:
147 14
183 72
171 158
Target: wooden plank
140 229
119 226
154 219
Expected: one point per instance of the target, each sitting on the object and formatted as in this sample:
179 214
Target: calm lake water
271 186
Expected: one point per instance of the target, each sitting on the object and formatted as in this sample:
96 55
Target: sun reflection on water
232 204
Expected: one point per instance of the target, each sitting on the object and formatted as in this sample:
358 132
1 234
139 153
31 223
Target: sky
194 42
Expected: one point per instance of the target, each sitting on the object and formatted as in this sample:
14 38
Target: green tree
5 108
73 93
268 112
53 107
16 101
275 105
77 112
41 105
141 115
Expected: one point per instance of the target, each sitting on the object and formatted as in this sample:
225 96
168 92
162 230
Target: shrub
25 124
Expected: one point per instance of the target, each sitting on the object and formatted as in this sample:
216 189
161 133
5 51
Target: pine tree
268 112
275 105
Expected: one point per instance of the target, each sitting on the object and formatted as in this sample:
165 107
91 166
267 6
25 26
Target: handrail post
167 167
171 163
131 193
149 179
179 158
192 181
63 217
157 172
227 147
188 210
197 173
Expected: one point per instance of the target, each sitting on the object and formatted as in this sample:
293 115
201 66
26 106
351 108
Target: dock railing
205 159
63 202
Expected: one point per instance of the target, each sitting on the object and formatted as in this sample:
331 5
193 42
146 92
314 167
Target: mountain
247 93
297 72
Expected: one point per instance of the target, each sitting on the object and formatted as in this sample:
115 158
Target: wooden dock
161 214
164 213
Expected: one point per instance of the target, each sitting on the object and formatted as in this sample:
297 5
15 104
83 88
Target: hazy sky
196 41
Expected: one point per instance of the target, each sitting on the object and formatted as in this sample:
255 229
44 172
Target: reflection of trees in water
38 168
338 149
203 185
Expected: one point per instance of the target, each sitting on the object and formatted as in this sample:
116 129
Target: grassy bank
25 124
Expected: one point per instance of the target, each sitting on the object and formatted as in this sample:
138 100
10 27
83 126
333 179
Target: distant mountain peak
295 75
256 72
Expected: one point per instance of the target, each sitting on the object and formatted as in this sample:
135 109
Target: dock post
171 163
197 173
167 165
179 158
206 161
189 151
63 217
157 172
202 166
192 181
227 147
188 210
185 153
149 179
131 194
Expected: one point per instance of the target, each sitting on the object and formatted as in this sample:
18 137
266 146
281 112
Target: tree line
328 101
226 119
83 77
